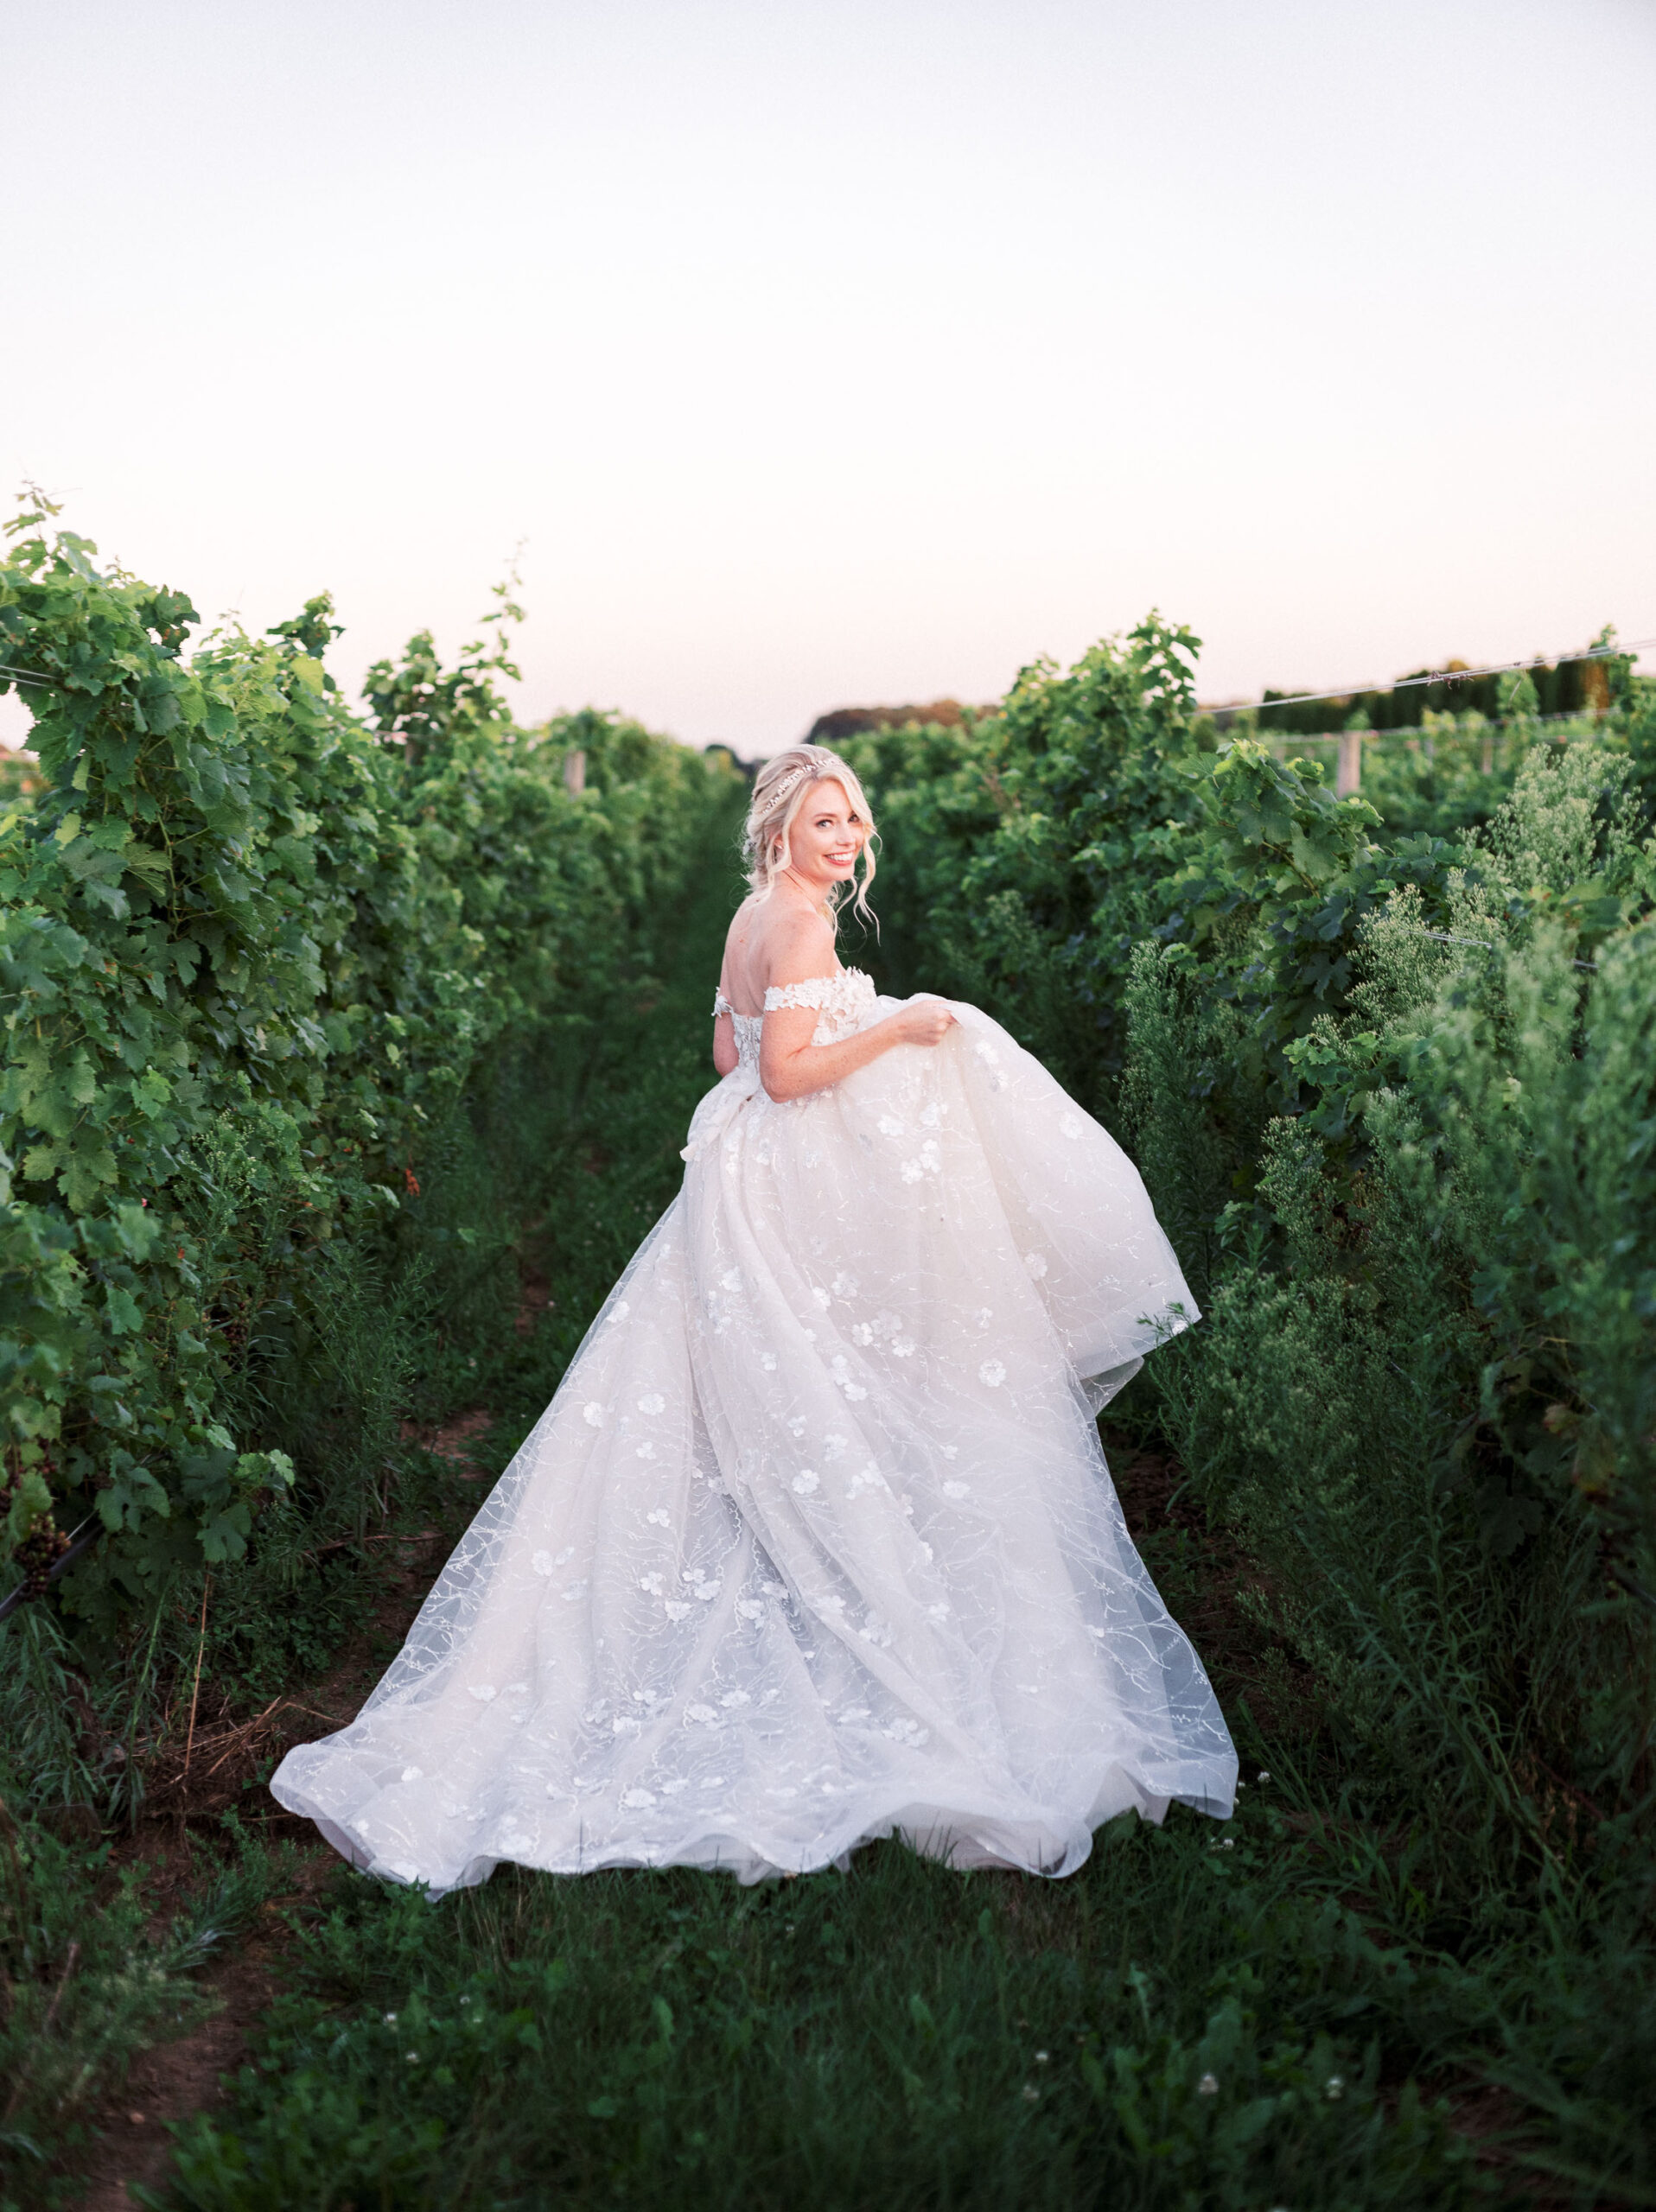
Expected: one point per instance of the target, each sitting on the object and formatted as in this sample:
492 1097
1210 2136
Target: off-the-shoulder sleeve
721 1005
815 992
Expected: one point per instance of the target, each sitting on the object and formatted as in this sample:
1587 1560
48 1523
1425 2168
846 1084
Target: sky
821 353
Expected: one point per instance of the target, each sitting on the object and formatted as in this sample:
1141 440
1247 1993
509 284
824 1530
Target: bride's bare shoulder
787 944
801 949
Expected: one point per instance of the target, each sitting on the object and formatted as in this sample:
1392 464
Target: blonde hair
781 788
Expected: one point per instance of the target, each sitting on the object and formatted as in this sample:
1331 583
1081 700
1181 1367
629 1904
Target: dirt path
172 2082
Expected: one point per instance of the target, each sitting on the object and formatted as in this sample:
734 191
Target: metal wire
1439 675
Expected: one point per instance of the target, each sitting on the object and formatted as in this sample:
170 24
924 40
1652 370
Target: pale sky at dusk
826 353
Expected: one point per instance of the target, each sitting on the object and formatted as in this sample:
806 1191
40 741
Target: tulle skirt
816 1543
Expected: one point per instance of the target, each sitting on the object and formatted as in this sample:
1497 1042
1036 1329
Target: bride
816 1543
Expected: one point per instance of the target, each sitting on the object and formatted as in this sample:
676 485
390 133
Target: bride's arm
790 1065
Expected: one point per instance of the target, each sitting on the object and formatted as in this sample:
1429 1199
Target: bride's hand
926 1022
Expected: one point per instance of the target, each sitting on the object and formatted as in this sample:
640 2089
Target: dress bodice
841 1001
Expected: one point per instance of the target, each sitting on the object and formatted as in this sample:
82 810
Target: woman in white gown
816 1543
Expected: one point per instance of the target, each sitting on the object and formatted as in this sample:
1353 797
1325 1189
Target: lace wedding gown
816 1541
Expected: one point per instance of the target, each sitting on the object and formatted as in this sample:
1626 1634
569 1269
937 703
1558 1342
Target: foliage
1394 1094
251 954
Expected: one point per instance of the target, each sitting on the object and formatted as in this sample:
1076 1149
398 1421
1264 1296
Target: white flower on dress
412 1774
993 1373
891 1126
1036 1264
676 1610
957 1489
750 1609
660 1517
840 1369
625 1725
483 1691
932 1115
902 1347
731 1279
833 1445
768 1361
637 1800
950 1451
650 1585
905 1731
593 1415
928 1160
985 1315
862 1333
822 1297
775 1589
853 1714
939 1612
845 1284
735 1697
653 1403
644 1452
1071 1126
568 1553
542 1562
704 1716
808 1482
574 1590
672 1788
869 1478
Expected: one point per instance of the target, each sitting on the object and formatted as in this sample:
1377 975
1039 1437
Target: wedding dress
816 1543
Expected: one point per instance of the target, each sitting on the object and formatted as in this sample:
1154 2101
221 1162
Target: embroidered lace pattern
842 1000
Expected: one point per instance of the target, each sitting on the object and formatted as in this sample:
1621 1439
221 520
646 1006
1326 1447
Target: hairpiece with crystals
790 784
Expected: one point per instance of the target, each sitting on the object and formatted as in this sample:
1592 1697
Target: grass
1191 2020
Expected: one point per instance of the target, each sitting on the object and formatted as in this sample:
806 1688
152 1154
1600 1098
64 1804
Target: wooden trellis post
1348 775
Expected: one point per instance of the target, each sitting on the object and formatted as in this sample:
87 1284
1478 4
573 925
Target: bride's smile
816 1543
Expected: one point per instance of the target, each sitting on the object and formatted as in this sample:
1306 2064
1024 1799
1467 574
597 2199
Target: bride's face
826 837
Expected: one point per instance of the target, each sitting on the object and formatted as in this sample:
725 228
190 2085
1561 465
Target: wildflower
391 2020
1335 2087
1040 2057
1263 1775
1031 2094
1208 2086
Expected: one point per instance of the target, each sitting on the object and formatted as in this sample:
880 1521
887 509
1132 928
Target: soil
171 2081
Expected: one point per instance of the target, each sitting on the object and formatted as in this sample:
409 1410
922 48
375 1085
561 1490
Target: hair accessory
787 788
